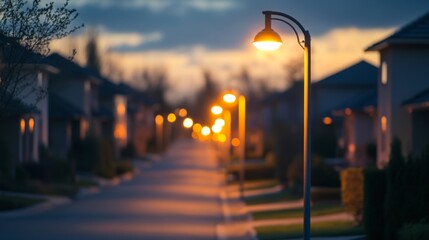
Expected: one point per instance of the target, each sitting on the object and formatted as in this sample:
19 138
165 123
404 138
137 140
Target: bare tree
93 60
155 83
26 30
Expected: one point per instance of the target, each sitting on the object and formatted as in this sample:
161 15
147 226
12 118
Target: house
73 100
140 119
24 120
402 82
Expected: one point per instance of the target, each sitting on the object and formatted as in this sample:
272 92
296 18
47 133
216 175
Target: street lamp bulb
205 131
216 128
216 110
229 98
220 122
171 118
267 40
188 122
159 119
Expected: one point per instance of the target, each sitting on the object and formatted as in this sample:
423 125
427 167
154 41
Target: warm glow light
31 124
229 98
120 109
348 112
267 45
183 112
327 120
22 124
235 142
267 40
159 119
222 138
171 118
120 131
216 110
220 122
197 128
383 124
188 122
351 148
216 128
205 131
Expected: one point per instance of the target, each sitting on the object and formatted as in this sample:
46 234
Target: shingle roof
361 102
60 108
416 32
361 74
69 68
422 98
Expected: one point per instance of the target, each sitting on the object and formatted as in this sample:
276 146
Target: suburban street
176 197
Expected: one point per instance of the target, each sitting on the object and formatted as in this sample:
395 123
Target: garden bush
352 192
373 211
416 231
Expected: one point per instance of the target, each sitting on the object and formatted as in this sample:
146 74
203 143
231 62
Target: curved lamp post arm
306 33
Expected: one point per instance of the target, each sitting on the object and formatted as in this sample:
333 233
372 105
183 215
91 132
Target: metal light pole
268 39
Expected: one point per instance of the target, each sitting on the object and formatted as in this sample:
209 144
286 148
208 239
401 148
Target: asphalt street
176 198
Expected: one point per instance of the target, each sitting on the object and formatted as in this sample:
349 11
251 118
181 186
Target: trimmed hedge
352 192
417 231
373 211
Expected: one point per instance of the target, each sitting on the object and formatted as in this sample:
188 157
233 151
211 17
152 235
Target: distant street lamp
217 110
269 40
231 98
159 122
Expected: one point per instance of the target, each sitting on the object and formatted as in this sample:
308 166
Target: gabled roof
107 88
296 89
60 108
415 33
419 100
70 69
17 108
361 74
361 102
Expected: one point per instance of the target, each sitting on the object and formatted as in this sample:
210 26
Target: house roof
361 102
17 108
419 100
69 68
361 74
415 33
296 88
107 87
103 112
137 94
60 108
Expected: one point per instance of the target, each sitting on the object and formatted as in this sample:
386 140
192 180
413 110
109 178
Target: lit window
383 73
120 109
383 122
31 124
22 125
351 148
327 120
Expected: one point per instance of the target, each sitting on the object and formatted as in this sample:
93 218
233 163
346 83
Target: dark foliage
373 212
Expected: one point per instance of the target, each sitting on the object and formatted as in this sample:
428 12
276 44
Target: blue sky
186 36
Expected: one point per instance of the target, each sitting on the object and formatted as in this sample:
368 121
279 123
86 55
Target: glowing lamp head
216 110
171 118
267 40
220 122
183 112
205 131
229 98
159 119
188 122
216 128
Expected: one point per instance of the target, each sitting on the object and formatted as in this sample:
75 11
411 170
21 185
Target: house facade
403 74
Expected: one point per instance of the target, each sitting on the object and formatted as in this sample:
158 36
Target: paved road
175 199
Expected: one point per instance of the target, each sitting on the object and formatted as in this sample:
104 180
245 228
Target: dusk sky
186 36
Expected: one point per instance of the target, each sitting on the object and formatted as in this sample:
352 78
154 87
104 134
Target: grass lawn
320 229
10 203
317 210
87 183
261 184
284 195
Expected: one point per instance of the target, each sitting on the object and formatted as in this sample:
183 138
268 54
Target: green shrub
373 211
416 231
352 192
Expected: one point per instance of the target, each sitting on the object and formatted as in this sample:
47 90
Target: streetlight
231 98
188 122
268 39
159 121
217 110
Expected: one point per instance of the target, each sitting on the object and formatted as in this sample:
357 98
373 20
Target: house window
383 126
383 122
40 79
383 73
87 86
